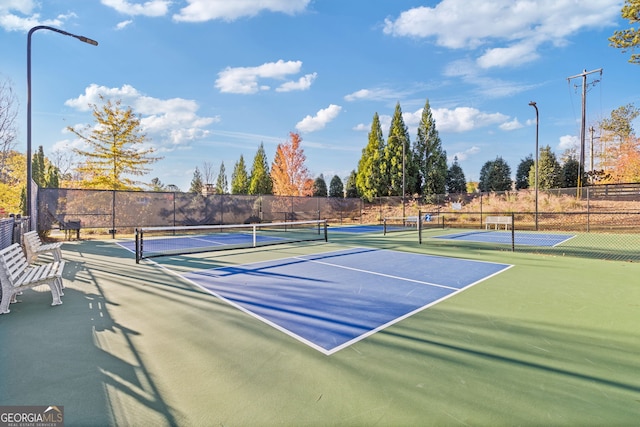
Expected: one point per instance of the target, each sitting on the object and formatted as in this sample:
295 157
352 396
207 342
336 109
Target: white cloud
375 94
464 119
67 145
303 83
511 125
470 72
244 80
20 15
517 54
464 155
320 120
122 25
568 142
457 120
170 121
149 8
229 10
23 6
512 30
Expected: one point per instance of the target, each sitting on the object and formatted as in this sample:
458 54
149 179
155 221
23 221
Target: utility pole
583 125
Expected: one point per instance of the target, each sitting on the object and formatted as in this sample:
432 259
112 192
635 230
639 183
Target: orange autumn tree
626 164
289 174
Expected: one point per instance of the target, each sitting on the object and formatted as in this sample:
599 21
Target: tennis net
407 223
417 223
179 240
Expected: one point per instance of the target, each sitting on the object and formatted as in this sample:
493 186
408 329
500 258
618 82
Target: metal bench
411 221
497 221
69 227
16 275
33 247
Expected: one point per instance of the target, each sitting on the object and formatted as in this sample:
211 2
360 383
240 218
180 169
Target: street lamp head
88 40
532 103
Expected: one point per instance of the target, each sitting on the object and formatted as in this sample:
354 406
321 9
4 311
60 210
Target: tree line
391 166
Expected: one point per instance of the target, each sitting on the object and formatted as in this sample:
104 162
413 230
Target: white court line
378 274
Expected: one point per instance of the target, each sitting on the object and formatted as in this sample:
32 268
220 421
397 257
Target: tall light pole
533 104
31 31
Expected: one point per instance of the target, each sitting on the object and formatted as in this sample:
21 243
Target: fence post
588 208
513 232
481 194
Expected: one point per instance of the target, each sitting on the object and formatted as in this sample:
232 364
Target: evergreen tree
398 169
522 173
260 182
351 190
336 188
369 178
569 173
430 158
240 178
23 200
221 182
196 182
456 182
156 184
548 170
53 177
43 173
115 148
38 169
320 187
495 176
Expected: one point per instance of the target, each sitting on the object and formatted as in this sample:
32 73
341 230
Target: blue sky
212 79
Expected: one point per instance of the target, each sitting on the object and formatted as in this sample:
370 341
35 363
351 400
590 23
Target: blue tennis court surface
334 299
504 237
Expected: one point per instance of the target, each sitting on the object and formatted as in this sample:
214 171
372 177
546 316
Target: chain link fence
598 222
602 221
123 211
12 229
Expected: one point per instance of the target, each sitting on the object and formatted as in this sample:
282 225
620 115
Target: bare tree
8 130
207 173
64 160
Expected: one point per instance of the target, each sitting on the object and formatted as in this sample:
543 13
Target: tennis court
333 299
397 333
505 237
